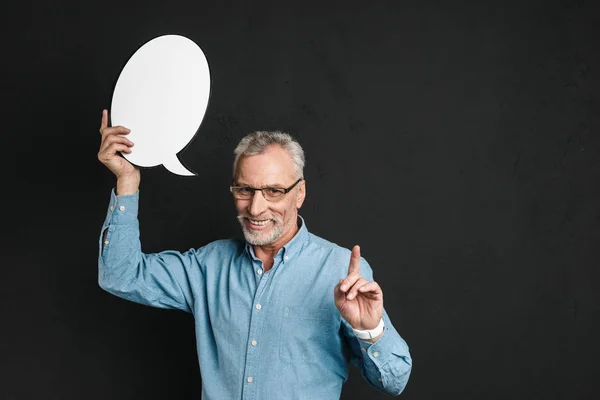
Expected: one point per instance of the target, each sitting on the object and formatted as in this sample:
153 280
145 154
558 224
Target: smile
259 223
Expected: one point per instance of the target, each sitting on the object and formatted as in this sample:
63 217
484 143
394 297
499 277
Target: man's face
267 222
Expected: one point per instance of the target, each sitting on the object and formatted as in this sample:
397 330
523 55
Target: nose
258 203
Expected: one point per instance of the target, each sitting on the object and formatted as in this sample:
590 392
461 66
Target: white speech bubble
161 96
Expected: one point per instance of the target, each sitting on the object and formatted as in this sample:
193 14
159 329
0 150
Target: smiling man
279 315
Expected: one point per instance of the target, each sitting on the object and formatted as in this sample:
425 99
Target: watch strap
369 333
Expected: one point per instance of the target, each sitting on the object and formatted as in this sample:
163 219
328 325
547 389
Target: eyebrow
280 185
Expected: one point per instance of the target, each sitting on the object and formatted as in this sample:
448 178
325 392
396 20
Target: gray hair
256 143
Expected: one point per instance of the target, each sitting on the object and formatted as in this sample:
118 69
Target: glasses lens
242 193
273 194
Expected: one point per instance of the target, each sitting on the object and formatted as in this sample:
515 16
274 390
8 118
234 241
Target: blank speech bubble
161 96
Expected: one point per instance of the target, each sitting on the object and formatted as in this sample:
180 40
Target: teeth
259 223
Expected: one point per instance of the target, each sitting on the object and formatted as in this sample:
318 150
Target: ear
301 194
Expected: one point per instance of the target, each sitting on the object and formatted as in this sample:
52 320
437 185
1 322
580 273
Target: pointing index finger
354 267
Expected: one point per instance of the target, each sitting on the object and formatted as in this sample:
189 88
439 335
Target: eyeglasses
269 193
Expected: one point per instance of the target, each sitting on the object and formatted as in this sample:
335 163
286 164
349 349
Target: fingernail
350 296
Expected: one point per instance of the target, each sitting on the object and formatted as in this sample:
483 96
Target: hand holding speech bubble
161 96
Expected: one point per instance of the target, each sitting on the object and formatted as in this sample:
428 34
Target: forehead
273 167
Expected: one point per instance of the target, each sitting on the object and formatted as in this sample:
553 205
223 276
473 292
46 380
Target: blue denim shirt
259 335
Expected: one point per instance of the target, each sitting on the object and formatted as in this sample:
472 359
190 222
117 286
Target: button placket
256 322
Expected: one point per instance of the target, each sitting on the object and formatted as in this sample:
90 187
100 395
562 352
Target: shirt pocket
305 334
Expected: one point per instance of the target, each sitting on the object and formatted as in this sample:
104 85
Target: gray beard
258 239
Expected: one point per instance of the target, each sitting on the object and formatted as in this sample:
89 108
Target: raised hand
128 176
359 301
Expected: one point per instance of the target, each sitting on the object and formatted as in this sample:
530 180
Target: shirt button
254 343
379 379
364 350
106 242
112 208
376 354
286 258
250 379
259 271
122 208
258 306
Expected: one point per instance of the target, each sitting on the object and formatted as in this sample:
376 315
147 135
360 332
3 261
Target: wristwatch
370 333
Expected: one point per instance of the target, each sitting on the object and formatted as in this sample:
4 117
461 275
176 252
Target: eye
245 190
274 192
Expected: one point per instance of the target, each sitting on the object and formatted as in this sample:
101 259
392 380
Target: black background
456 142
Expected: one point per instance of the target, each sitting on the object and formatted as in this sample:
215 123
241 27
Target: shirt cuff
122 210
378 354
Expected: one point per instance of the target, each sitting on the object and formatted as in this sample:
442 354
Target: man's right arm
113 141
159 280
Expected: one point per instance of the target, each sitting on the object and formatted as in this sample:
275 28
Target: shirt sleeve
158 280
385 364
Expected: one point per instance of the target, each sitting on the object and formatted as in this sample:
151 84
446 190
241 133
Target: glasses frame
285 190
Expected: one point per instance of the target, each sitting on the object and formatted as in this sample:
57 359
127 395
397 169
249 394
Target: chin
257 240
262 238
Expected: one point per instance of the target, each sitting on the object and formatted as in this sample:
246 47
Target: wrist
127 185
368 334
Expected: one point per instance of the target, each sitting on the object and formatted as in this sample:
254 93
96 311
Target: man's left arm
384 360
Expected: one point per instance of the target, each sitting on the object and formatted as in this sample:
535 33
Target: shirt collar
291 248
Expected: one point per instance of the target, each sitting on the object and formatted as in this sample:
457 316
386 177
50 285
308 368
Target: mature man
277 316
